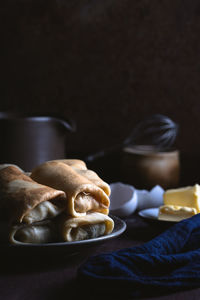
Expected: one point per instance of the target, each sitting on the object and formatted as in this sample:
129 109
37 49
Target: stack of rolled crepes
58 201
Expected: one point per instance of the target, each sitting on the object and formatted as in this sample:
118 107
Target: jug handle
69 124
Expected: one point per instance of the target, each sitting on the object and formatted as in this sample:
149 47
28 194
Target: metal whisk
157 130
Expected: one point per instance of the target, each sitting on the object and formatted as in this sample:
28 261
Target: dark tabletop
33 276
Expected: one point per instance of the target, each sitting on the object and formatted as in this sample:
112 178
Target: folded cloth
168 263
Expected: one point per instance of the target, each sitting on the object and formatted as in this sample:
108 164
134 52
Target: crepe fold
24 202
80 167
86 192
85 227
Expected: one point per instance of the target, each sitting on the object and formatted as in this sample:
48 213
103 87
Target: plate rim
140 213
118 230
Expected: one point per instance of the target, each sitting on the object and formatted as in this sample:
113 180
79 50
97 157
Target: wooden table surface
35 277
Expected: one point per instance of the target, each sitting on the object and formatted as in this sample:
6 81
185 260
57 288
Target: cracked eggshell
123 199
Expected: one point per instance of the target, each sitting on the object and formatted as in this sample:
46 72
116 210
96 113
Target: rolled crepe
85 191
85 227
80 167
2 166
25 203
36 233
75 163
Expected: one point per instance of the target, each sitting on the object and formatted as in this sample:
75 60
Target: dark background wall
107 64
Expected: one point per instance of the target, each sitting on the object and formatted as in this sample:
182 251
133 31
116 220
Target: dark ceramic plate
64 248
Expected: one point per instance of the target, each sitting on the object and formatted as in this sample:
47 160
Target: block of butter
186 197
175 213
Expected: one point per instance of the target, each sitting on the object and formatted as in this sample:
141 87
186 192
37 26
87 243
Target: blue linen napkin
168 263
